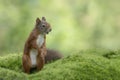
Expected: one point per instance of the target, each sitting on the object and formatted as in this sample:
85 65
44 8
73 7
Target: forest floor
94 64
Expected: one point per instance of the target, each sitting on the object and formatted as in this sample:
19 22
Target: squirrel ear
43 18
38 21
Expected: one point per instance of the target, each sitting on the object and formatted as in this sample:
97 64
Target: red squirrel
35 53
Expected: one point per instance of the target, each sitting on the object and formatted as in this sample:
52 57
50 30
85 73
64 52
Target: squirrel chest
34 52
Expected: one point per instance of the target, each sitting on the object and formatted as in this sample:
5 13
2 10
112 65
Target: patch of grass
82 65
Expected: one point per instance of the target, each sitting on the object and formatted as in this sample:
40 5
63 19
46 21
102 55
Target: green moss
82 65
11 62
79 67
6 74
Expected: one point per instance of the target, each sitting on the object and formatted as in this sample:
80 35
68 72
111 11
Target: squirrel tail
52 55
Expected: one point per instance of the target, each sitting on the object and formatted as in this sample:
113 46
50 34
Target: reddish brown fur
31 44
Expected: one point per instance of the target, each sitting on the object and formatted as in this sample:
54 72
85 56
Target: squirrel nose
50 30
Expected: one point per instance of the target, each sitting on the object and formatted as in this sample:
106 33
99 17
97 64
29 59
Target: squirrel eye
43 25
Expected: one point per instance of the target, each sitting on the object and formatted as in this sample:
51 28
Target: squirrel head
43 26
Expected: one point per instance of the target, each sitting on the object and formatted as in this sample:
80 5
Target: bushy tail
52 55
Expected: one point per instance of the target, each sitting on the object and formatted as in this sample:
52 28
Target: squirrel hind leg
40 62
26 63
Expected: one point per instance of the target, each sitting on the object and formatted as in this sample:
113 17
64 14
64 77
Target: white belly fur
33 56
34 52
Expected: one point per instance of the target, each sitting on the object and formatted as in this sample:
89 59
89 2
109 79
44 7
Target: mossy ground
94 64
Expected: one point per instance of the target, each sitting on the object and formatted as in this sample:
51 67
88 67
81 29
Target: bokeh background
76 24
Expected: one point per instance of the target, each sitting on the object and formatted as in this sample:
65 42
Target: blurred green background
76 24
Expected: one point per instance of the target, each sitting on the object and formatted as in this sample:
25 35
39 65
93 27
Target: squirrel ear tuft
43 18
38 20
